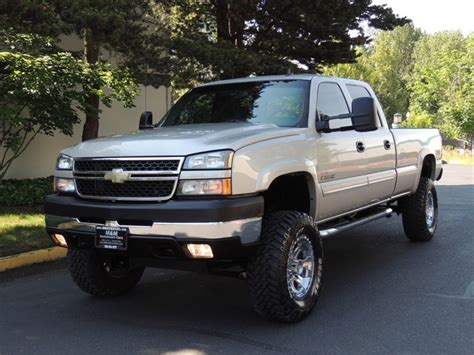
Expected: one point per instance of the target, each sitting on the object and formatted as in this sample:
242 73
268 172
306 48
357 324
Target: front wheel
420 212
284 276
91 273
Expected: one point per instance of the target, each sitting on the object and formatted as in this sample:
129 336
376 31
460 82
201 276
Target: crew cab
242 177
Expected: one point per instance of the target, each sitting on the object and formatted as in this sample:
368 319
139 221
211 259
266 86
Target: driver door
341 158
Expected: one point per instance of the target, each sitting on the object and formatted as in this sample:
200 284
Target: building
39 158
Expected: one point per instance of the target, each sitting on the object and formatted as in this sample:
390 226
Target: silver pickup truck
242 177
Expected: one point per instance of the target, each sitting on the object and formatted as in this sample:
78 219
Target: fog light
59 239
200 251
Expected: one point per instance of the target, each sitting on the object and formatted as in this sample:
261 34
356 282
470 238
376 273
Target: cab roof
275 78
262 78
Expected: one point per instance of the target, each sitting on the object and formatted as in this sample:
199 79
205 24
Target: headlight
64 185
64 162
211 160
205 187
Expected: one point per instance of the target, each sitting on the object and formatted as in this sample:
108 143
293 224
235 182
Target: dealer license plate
112 238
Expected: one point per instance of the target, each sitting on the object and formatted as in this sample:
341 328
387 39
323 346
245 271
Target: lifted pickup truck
242 177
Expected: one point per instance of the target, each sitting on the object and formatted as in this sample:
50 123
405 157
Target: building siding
39 158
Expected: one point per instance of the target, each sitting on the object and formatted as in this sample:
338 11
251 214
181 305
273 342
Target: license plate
112 238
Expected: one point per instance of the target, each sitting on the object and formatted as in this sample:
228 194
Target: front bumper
224 223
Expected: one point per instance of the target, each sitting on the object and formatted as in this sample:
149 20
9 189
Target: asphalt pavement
381 294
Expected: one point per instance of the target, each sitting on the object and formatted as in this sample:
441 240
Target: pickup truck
242 177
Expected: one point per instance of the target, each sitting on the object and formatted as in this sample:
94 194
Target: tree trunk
230 29
91 56
223 20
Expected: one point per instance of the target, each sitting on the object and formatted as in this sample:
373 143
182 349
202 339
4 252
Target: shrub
418 120
25 192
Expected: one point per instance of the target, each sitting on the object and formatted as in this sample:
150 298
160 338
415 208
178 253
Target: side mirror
146 121
362 118
363 114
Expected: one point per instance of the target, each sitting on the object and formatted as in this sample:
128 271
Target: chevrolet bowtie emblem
117 176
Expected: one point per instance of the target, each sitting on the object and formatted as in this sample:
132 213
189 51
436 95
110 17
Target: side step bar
337 229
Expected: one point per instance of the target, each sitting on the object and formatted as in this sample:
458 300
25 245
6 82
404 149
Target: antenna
146 86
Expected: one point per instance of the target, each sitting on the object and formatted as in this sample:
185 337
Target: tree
442 83
189 41
103 25
387 65
39 91
428 78
392 58
224 39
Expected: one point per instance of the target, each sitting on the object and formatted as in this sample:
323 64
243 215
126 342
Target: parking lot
381 294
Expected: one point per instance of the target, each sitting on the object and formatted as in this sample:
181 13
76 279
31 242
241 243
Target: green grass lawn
452 156
22 230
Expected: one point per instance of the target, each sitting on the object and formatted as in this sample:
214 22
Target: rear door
380 153
341 164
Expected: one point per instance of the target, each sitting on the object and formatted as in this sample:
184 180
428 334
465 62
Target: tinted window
283 103
331 101
357 91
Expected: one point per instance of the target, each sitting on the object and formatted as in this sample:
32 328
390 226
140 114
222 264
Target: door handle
386 144
360 147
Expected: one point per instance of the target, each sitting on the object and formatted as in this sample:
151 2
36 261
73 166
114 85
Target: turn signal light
205 187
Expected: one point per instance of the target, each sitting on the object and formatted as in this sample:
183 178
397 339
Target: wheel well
428 169
290 192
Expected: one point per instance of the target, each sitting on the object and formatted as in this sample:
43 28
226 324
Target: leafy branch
43 91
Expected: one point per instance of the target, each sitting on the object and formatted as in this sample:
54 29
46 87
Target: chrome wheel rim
430 210
300 267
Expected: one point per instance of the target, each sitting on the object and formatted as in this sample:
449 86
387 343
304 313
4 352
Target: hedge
25 192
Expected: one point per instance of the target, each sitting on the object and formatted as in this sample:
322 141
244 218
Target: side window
357 91
331 101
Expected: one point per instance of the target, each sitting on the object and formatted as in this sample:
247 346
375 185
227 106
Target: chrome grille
129 189
127 179
171 165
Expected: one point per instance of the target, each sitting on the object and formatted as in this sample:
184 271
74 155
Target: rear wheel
94 274
285 275
420 212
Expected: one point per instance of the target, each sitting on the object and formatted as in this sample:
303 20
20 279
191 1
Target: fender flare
271 172
425 151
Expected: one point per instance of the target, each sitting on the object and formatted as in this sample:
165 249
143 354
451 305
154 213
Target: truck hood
179 140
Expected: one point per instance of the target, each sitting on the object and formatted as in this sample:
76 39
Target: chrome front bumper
247 229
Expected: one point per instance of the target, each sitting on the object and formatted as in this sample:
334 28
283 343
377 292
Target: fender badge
327 176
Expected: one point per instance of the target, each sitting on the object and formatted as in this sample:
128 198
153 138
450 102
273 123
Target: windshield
283 103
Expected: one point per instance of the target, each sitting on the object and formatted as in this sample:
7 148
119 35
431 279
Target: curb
31 257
